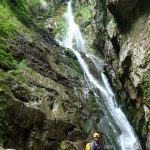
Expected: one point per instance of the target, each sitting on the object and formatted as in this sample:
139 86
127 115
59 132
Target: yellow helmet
96 135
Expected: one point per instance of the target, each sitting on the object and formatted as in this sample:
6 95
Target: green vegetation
147 59
59 28
64 145
146 128
67 65
112 23
3 123
3 86
8 21
84 12
6 58
92 101
3 120
14 16
18 72
146 85
83 15
59 24
36 10
20 10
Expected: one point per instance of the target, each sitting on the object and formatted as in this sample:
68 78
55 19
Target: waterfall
73 39
114 123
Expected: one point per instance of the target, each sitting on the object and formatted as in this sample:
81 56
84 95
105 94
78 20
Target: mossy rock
7 61
146 87
67 145
4 123
147 59
8 22
83 16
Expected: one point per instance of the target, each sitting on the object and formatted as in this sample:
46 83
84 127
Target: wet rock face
127 50
136 47
98 24
37 57
43 99
95 27
121 8
32 130
121 28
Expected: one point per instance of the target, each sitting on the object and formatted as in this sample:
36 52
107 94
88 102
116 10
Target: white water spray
73 39
126 139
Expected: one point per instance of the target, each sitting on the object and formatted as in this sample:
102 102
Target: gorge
52 97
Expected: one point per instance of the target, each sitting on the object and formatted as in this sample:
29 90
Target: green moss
112 23
92 102
35 9
84 12
18 72
7 57
76 66
146 128
59 28
146 85
8 22
20 10
59 23
3 120
1 74
14 16
147 59
83 15
4 87
64 145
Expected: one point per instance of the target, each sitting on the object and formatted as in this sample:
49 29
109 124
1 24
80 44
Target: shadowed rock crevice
129 24
127 12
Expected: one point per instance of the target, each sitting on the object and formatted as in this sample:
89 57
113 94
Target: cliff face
125 46
38 81
119 31
132 54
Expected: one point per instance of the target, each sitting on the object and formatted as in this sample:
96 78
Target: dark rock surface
42 100
41 108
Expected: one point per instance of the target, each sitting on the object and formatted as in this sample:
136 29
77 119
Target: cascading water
119 132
